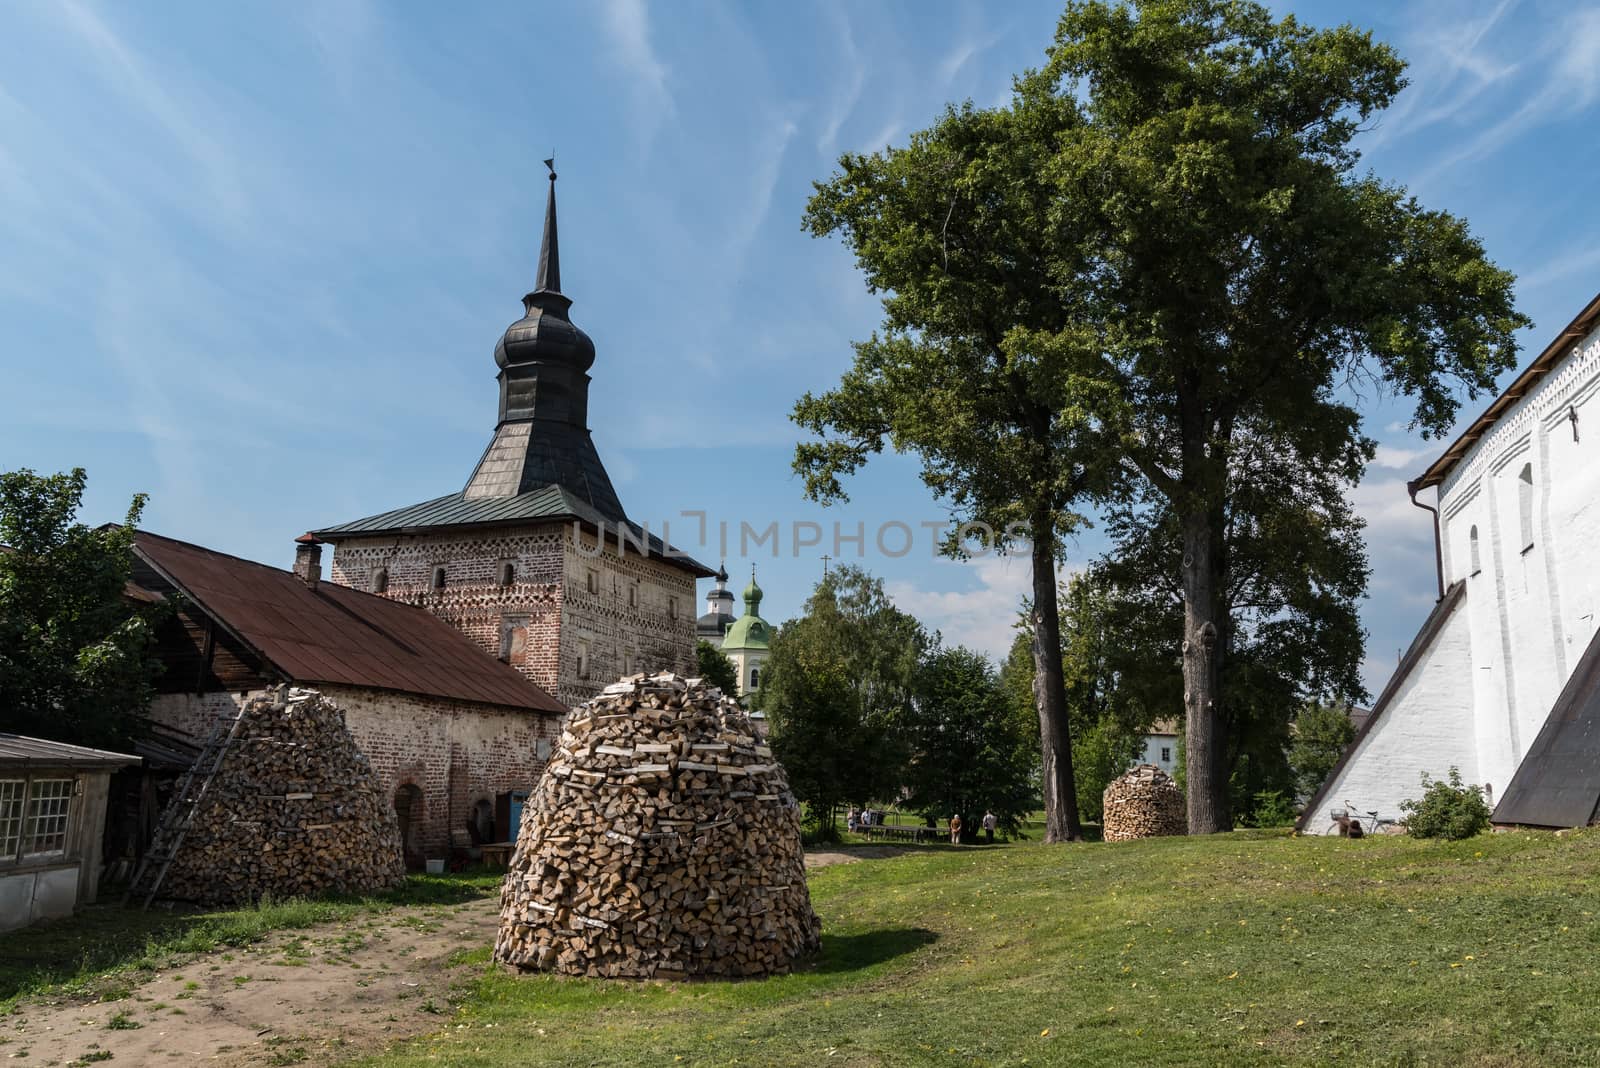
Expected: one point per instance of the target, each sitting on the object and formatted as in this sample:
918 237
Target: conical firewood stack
293 810
1144 803
662 841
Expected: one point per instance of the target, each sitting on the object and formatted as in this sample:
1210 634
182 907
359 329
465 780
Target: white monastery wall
1419 731
1519 526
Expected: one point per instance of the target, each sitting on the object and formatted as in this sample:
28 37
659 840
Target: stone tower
535 558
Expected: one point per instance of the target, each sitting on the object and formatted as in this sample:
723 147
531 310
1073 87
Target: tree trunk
1205 747
1050 692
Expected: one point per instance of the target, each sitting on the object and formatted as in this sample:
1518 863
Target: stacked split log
662 841
1144 803
293 810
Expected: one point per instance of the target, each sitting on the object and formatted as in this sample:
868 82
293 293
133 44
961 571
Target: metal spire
549 277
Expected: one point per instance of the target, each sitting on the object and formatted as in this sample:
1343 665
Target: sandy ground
312 997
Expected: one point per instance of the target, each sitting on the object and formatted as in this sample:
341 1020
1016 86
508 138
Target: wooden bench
498 854
904 834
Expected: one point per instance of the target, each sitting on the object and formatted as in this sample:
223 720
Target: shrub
1272 809
1449 809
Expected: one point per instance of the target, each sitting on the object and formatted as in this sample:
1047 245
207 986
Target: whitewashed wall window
1472 539
46 825
1525 506
11 803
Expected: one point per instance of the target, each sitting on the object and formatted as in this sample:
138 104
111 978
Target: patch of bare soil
851 854
314 997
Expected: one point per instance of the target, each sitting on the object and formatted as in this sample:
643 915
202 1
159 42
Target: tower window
633 595
592 582
508 573
755 676
583 660
1525 505
438 577
1472 540
672 608
380 580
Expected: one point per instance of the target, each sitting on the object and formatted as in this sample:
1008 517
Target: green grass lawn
101 950
1249 948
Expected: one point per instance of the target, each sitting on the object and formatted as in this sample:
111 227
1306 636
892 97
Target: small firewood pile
294 809
1144 803
662 841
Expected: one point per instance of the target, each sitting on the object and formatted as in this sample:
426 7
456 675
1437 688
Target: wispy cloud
1453 66
627 24
982 616
852 80
1570 60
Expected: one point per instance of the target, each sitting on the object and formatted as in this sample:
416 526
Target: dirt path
313 997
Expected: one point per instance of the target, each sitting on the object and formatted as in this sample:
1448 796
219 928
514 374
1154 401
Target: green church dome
749 631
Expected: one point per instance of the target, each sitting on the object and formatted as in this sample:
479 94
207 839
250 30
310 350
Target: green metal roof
749 631
551 503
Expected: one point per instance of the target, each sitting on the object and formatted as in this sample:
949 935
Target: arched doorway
409 811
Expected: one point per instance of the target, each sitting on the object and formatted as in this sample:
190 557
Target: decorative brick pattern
574 616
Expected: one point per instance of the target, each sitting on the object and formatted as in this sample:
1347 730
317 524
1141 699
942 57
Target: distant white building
1161 747
1503 681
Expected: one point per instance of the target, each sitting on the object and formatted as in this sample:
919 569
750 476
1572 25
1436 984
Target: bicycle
1347 825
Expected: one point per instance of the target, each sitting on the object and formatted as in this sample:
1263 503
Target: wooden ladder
178 816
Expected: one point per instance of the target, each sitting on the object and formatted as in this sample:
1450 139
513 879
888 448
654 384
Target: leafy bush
1271 809
1449 809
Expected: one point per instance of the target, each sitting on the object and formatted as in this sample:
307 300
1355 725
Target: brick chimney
308 560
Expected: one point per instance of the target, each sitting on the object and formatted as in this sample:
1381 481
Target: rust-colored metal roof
1542 365
332 634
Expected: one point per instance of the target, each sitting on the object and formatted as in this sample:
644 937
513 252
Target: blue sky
254 258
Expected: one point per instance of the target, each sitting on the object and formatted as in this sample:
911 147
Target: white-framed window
45 829
755 676
1166 754
12 793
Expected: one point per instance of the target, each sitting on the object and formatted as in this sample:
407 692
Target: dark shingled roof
1558 782
21 751
333 634
457 510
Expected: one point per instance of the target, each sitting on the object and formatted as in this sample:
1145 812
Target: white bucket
435 867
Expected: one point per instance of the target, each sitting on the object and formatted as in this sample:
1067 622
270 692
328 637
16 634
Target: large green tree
75 662
968 752
1322 732
836 690
977 369
1245 272
716 668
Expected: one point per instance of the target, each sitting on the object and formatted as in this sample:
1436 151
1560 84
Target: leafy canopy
75 663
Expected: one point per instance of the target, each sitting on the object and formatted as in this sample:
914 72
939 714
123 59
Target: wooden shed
52 820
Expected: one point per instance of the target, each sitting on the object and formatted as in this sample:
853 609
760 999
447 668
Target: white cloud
854 80
627 23
983 617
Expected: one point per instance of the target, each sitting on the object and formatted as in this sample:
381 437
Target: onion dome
544 334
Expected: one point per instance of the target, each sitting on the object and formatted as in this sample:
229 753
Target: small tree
1322 732
75 661
716 668
967 751
836 689
1449 809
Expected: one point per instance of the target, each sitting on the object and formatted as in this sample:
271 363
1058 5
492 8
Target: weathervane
551 163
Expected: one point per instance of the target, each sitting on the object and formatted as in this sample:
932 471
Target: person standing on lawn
955 829
989 824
